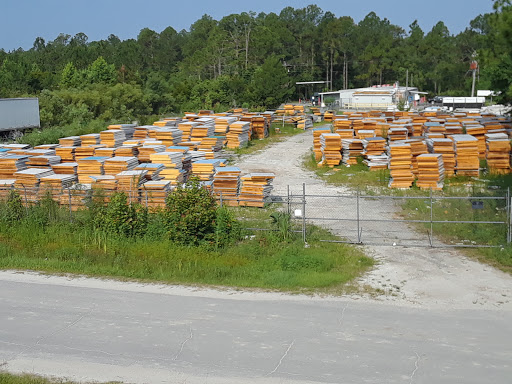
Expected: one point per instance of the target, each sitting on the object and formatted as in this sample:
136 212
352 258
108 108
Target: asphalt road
100 330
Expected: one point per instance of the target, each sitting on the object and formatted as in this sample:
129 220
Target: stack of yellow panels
71 141
86 151
115 165
351 149
90 139
146 150
498 153
43 161
112 138
330 145
478 131
445 148
154 193
238 135
66 153
65 168
317 147
10 164
430 171
226 184
400 165
467 162
255 188
90 166
205 169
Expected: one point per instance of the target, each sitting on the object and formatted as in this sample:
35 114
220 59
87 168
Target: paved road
102 330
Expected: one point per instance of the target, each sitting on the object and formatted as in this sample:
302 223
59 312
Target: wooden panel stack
305 122
238 135
55 184
105 151
173 166
226 182
466 155
169 136
86 151
260 127
66 153
71 141
445 148
128 129
10 164
90 139
154 193
328 116
112 138
187 128
114 165
330 145
397 133
205 169
498 153
65 168
222 125
146 150
377 162
211 146
317 148
153 170
400 165
477 131
43 161
374 146
130 182
255 188
418 147
76 196
351 150
430 171
90 166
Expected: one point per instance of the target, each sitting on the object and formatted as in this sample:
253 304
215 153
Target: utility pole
407 89
473 67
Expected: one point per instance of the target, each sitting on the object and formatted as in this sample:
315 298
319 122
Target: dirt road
418 276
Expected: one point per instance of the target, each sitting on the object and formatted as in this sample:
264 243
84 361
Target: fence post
431 220
221 199
146 196
70 210
509 212
26 201
304 212
288 198
358 217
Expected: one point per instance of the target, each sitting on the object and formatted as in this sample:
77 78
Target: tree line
252 60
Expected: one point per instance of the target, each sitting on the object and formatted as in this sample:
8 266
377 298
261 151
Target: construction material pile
430 171
330 145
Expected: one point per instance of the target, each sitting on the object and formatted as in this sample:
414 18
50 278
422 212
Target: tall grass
259 260
7 378
52 135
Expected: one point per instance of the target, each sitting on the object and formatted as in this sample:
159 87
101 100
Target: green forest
251 60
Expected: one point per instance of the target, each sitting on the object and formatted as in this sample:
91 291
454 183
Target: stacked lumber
153 170
365 133
260 127
477 131
130 182
43 161
169 136
54 184
400 165
173 166
112 137
398 133
238 135
128 129
498 152
66 153
305 122
90 139
374 146
376 162
330 145
115 165
106 183
141 132
351 150
76 196
86 151
187 127
5 186
434 129
255 188
146 150
289 110
345 133
205 169
466 155
418 147
328 116
226 182
90 166
127 150
154 193
29 180
107 152
317 147
445 148
222 125
70 141
10 164
430 171
65 168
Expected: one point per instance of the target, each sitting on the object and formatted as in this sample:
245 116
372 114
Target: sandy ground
421 276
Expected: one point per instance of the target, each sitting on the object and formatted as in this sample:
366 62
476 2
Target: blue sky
22 21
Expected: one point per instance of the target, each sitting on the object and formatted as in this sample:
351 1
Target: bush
227 228
122 219
13 210
190 214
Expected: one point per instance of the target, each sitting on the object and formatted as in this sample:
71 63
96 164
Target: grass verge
261 260
8 378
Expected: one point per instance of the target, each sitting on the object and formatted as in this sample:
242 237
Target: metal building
19 114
